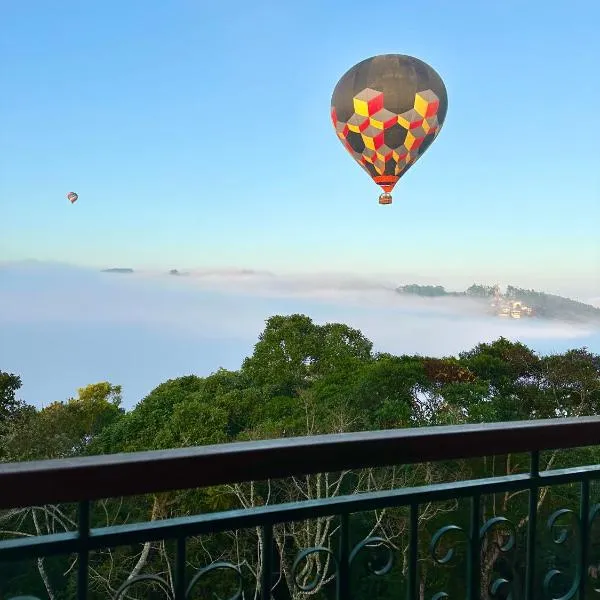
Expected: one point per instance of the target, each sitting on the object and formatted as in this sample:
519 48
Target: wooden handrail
114 475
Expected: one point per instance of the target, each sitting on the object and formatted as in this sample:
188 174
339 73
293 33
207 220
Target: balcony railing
487 553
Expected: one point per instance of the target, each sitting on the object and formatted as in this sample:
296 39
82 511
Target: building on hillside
508 308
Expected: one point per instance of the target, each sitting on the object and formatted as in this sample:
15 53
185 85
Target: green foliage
301 379
62 428
145 427
293 352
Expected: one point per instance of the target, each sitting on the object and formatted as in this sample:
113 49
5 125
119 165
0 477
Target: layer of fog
62 327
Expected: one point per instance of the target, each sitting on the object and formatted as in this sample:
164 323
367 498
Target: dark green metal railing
85 479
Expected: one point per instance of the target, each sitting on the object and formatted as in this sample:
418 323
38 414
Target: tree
142 427
292 352
572 383
63 428
9 404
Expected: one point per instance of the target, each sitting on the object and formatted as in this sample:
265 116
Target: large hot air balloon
72 197
387 110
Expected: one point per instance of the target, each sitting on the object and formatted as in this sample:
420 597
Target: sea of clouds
62 327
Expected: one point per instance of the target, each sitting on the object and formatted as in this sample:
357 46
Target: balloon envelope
72 197
386 111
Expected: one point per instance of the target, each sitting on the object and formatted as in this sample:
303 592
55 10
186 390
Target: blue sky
198 133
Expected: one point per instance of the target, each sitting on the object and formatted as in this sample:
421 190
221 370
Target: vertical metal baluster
413 551
343 579
267 562
83 554
532 526
474 560
584 513
180 559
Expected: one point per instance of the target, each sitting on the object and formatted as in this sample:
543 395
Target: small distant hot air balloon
72 197
386 111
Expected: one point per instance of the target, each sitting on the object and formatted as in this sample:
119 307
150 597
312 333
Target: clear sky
198 134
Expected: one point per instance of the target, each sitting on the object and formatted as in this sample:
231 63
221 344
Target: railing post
532 526
584 515
413 551
180 568
267 562
343 580
474 560
83 554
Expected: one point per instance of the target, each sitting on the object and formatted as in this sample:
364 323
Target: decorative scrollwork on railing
493 523
375 543
559 537
444 554
218 566
594 512
307 562
164 586
501 585
436 540
159 581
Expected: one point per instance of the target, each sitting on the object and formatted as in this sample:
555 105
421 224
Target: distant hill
117 270
547 306
427 291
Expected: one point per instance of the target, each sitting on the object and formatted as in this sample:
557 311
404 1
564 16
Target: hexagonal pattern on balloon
372 137
369 155
402 165
358 123
384 143
384 152
410 119
379 166
426 104
400 153
413 140
383 119
431 124
355 140
342 130
368 102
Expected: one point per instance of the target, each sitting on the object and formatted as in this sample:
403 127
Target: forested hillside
549 306
301 379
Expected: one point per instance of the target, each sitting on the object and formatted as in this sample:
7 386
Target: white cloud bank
62 326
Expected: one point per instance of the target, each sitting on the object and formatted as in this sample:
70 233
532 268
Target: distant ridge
548 306
117 270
